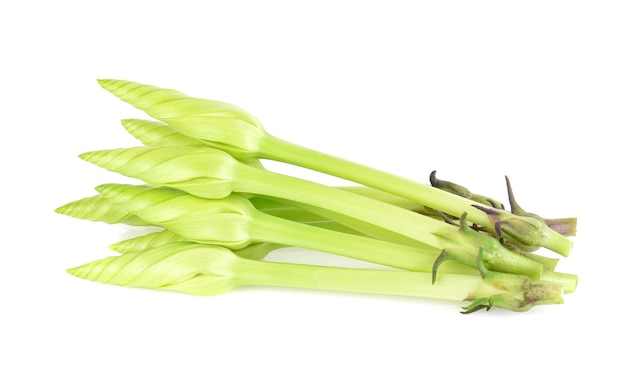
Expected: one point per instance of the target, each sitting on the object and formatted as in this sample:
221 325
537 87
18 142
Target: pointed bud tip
134 121
116 193
134 126
102 187
115 247
102 158
74 271
116 86
104 83
106 189
87 156
92 156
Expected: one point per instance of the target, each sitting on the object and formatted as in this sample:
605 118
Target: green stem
259 251
415 284
568 281
246 179
350 222
213 174
266 228
429 231
213 270
280 150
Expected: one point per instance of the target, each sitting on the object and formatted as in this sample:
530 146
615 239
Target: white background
477 90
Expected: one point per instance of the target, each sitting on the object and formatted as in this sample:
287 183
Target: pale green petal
164 103
141 243
153 133
214 121
181 167
147 241
258 251
210 270
223 221
173 267
99 209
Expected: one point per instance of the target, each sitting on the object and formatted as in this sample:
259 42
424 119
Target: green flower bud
98 209
224 221
205 172
153 133
147 241
233 129
185 267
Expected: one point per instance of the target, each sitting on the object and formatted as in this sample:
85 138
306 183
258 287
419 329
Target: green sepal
462 191
513 292
563 226
458 255
495 257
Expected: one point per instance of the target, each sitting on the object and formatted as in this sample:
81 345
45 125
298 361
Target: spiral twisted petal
157 134
147 241
210 169
99 209
222 221
208 120
185 267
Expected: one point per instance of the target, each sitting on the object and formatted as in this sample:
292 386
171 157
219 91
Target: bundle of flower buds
221 214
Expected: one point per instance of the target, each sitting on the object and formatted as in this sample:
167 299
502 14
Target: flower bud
209 172
185 267
226 125
222 222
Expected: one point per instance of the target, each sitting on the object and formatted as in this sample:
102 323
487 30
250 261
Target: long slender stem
212 270
266 228
281 150
507 291
213 174
367 228
235 131
415 284
415 226
431 232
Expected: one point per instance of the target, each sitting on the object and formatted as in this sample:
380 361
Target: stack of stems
201 166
